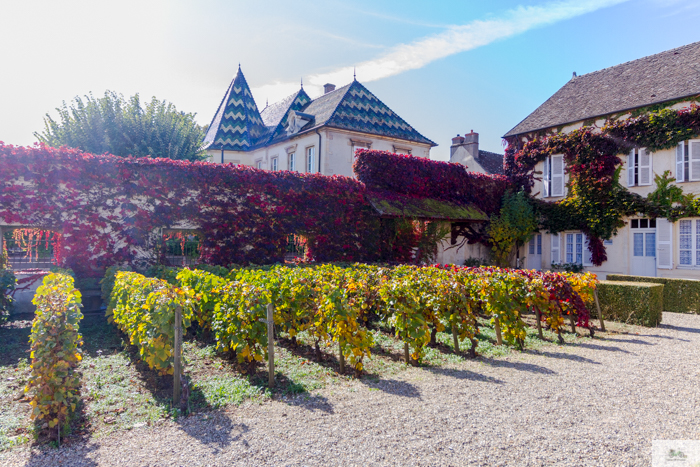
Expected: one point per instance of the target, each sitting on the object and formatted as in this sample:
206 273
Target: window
553 176
689 242
258 164
273 163
570 247
292 164
535 246
688 161
639 168
310 159
574 248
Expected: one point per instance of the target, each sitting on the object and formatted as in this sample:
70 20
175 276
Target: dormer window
296 121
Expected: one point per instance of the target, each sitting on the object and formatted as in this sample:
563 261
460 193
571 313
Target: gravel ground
598 403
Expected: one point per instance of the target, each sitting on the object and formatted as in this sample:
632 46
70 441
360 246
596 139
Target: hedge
54 384
631 302
680 295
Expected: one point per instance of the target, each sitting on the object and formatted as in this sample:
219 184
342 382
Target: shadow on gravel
601 347
631 341
73 455
465 374
214 429
520 366
311 403
657 337
679 328
394 387
566 356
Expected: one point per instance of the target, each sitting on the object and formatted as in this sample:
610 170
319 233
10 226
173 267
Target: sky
445 67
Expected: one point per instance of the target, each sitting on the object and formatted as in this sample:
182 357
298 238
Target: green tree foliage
115 125
513 226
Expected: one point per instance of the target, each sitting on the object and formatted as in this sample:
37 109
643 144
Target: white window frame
681 155
535 245
638 172
310 159
550 178
292 161
274 163
694 249
555 249
259 163
694 160
575 239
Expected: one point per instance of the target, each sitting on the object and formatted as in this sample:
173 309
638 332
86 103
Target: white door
643 247
534 253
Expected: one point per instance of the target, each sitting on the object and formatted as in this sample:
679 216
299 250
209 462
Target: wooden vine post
538 316
497 327
600 312
341 360
177 363
270 345
455 337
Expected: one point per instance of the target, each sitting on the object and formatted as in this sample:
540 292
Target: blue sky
445 67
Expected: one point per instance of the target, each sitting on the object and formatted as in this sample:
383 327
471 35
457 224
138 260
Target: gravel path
599 403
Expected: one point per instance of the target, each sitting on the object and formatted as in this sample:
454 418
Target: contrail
454 39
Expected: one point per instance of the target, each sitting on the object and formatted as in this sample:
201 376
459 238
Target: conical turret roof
237 125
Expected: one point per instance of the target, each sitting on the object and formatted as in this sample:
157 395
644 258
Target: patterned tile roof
663 77
237 124
491 162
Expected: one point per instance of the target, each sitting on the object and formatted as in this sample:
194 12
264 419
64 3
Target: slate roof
491 162
663 77
239 126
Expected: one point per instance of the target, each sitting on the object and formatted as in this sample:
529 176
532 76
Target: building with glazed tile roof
307 135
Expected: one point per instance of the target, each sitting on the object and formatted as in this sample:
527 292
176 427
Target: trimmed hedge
631 302
680 295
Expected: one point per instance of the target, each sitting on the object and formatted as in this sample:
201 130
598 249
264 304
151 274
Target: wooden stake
342 357
538 315
271 345
600 312
406 354
455 337
497 326
573 323
177 367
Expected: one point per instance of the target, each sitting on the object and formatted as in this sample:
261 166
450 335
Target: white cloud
454 39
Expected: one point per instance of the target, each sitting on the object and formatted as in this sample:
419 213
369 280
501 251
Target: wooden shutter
644 167
680 162
545 178
587 256
630 168
556 249
664 238
694 159
557 175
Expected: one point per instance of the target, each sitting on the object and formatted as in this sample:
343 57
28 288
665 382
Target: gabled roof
663 77
354 108
491 162
279 114
237 125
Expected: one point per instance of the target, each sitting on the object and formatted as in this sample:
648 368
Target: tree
512 227
114 125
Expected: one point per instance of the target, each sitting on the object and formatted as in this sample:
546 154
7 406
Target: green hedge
680 295
631 302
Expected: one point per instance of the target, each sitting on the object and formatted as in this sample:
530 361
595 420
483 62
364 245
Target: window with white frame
553 176
292 161
535 246
639 167
310 159
570 247
258 164
274 162
688 161
689 242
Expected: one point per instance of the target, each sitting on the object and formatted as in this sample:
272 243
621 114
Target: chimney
328 87
468 143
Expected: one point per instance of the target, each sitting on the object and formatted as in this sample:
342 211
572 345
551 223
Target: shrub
680 295
144 309
8 282
631 302
107 282
55 341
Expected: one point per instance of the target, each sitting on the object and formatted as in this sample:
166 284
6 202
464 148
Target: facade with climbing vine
612 162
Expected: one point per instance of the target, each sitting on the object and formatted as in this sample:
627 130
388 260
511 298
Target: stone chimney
465 147
328 87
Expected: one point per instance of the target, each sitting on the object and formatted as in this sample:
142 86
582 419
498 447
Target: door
643 247
534 253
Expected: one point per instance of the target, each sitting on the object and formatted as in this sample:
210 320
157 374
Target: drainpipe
222 153
319 150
